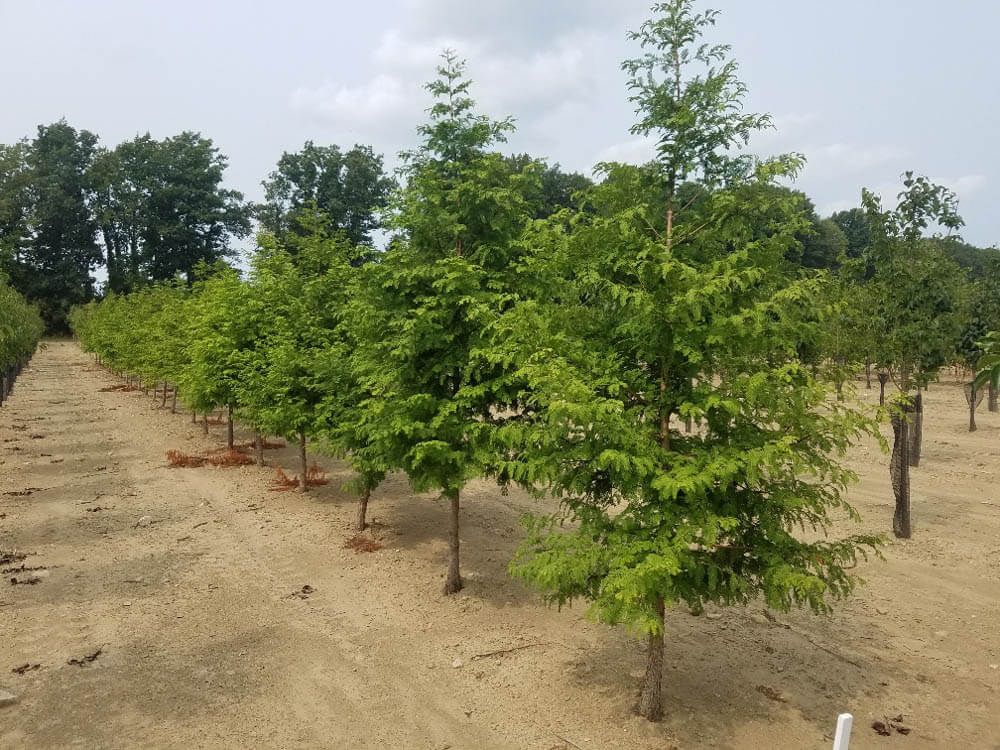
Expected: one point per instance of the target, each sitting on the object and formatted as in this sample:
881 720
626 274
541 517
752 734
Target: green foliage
51 249
162 210
21 328
638 326
918 297
349 188
424 312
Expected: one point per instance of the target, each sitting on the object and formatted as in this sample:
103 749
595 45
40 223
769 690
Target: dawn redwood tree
640 323
423 313
296 375
918 296
217 333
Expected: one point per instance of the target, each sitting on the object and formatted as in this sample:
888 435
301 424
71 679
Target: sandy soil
184 579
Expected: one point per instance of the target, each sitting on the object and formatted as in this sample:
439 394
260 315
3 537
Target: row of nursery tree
652 352
20 330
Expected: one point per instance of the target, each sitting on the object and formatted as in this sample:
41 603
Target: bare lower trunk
899 472
453 582
258 442
883 378
194 417
972 409
868 375
173 401
991 397
362 520
303 466
204 423
163 403
916 429
651 699
229 431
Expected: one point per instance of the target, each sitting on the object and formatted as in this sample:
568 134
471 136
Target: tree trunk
916 429
651 698
194 417
163 403
453 582
229 431
258 442
868 374
173 400
883 378
839 385
972 409
899 472
362 522
204 423
303 465
991 397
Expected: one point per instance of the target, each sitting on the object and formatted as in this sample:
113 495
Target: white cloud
379 103
967 185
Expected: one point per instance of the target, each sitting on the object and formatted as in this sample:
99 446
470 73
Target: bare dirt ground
184 580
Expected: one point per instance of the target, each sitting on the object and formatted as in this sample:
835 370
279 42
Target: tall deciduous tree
162 209
424 312
53 261
700 319
350 188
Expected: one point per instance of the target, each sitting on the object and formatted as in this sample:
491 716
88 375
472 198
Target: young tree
423 312
918 296
296 376
697 315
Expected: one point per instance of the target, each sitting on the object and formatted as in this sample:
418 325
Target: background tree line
148 210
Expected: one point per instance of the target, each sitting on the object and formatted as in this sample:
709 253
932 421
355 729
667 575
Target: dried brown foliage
315 477
230 458
362 544
176 459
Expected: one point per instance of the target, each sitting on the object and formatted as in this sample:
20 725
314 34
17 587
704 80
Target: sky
865 90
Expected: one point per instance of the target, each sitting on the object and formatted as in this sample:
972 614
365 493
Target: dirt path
184 579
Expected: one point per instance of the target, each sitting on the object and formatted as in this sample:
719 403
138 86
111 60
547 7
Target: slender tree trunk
362 521
868 374
303 465
972 408
899 472
204 423
194 417
229 430
173 400
651 697
916 429
163 403
453 582
258 441
883 378
991 397
840 390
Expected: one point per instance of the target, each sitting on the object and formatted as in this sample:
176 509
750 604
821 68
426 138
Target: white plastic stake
843 737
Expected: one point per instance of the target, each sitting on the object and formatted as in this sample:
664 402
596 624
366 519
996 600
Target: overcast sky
864 89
